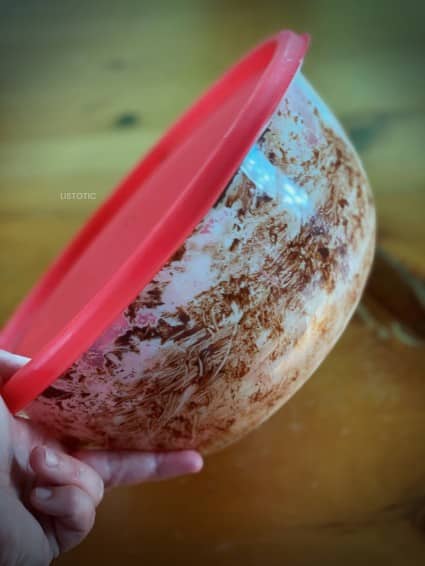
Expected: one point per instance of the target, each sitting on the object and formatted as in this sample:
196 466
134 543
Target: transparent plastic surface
244 311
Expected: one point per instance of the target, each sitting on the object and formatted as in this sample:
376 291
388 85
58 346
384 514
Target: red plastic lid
145 220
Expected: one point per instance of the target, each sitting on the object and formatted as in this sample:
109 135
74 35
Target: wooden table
338 475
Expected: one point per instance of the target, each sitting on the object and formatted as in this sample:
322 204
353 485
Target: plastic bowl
244 310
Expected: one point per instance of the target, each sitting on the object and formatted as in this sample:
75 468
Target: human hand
48 497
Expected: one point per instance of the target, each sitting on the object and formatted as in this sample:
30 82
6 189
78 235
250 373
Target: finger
125 468
10 363
72 509
53 467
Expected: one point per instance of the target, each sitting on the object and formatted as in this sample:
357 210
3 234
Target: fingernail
43 493
198 464
51 458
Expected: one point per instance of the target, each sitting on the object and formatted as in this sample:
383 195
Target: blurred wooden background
338 475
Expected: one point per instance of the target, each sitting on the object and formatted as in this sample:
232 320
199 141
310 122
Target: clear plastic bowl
244 311
247 234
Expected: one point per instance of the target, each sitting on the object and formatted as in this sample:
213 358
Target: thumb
9 364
